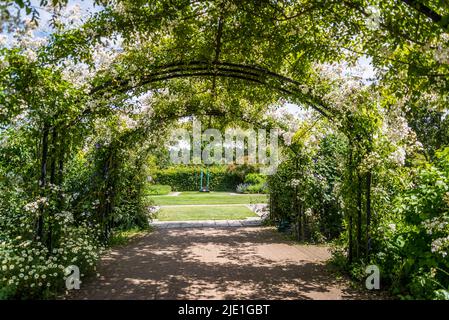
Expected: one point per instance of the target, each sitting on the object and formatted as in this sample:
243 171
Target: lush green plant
253 183
255 178
30 270
158 189
121 238
415 242
257 188
308 198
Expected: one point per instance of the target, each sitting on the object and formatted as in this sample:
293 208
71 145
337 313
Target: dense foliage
413 248
306 189
253 183
86 101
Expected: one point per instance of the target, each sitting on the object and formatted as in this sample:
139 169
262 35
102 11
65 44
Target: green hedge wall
188 178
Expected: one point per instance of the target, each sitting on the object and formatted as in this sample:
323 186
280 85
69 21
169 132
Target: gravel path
215 263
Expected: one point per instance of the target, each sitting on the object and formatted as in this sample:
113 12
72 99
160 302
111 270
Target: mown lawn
180 213
193 197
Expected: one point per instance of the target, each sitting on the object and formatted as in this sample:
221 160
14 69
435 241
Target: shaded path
215 263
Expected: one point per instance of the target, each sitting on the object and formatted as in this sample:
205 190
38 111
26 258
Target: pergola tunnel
243 136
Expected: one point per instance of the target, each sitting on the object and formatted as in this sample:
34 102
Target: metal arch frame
250 73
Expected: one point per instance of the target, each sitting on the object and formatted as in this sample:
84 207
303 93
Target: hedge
187 178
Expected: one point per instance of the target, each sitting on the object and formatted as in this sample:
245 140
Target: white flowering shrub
31 267
303 191
29 270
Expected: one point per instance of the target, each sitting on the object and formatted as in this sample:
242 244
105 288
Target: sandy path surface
215 263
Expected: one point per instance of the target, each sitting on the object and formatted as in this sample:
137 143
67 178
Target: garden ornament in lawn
206 187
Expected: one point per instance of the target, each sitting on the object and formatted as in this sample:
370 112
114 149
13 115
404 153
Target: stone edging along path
253 221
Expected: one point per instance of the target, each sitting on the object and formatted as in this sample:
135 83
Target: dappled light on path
216 263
